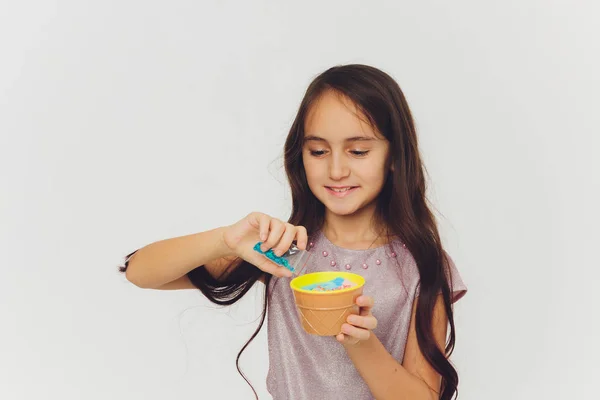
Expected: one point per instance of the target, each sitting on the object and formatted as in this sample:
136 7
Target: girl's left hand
359 327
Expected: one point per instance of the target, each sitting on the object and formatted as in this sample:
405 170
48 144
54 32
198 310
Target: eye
360 153
317 152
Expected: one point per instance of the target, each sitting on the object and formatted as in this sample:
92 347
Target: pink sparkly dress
308 367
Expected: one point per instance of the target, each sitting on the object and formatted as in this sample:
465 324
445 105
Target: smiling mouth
340 189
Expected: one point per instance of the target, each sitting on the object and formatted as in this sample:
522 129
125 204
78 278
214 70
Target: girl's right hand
275 234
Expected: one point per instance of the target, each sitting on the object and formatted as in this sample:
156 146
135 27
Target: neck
355 231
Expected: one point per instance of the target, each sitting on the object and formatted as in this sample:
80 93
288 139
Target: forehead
334 118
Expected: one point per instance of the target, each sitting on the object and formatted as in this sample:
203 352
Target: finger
286 240
357 333
252 219
366 304
365 322
264 222
365 301
276 229
345 339
301 237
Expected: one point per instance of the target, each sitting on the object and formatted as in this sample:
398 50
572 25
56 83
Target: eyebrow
314 138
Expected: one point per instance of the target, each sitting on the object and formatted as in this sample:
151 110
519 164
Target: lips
340 191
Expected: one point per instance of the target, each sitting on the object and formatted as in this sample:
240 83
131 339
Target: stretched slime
271 256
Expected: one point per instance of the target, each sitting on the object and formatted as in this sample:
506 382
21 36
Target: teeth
340 190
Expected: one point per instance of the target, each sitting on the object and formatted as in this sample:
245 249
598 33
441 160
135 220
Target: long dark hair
402 204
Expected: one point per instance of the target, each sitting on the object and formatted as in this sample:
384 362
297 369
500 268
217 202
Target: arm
387 379
167 261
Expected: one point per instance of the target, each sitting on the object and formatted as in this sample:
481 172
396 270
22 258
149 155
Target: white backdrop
127 122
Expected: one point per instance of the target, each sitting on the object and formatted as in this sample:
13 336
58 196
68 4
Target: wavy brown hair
402 204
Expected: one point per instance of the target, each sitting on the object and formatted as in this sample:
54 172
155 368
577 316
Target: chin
341 209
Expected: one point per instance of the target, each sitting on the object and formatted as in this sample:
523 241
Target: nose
338 167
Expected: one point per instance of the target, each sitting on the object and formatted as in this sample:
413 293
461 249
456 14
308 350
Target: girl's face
345 159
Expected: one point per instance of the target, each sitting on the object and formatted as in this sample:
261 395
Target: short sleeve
457 286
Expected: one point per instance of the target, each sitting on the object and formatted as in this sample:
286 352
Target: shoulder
410 271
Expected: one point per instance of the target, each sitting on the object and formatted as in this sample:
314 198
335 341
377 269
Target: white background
127 122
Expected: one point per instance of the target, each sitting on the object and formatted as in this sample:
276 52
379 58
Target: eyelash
357 153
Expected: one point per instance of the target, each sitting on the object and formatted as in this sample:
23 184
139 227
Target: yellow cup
324 313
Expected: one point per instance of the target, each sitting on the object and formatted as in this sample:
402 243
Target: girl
359 204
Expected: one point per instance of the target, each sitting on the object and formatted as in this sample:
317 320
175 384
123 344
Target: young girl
359 204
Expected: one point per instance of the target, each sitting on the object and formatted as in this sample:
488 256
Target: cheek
373 174
311 171
311 168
